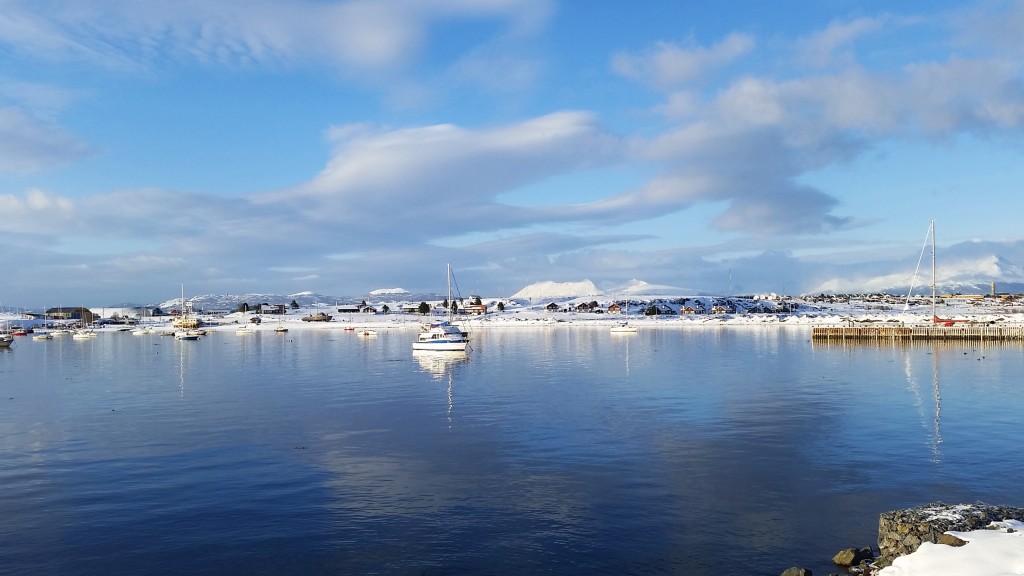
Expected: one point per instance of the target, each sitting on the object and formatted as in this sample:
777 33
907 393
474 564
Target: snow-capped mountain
389 292
548 290
962 273
640 288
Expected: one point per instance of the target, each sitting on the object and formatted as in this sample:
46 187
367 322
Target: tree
294 305
501 306
476 301
243 307
455 307
423 308
385 308
652 310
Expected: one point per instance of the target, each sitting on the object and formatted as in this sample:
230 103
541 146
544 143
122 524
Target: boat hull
441 346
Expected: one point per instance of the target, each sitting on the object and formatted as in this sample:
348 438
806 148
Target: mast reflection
442 364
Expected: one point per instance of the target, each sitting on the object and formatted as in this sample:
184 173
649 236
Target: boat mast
932 226
450 303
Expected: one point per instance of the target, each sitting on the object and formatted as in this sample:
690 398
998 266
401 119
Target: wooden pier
981 332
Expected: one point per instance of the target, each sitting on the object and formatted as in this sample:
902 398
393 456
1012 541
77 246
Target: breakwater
908 333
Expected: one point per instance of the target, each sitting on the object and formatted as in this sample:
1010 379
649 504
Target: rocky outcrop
852 556
901 532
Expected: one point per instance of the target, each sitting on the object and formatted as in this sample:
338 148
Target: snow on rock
548 289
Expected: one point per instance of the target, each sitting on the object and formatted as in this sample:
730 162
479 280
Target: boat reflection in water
440 364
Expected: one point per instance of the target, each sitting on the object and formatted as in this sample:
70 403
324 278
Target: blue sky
346 146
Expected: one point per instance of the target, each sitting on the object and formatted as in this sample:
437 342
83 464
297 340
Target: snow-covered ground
996 552
672 312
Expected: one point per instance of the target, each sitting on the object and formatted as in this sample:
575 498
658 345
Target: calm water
544 451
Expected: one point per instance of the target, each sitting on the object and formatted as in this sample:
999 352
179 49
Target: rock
796 571
901 532
852 556
950 540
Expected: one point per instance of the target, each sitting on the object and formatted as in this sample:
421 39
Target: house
583 307
614 308
552 307
410 309
475 309
687 310
273 309
348 308
368 310
77 313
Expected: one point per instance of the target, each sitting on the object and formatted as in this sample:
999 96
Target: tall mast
450 303
932 226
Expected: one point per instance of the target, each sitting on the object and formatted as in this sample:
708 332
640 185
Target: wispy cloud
28 144
354 34
667 64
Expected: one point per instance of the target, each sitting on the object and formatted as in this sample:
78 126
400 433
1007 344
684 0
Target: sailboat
83 332
624 327
187 324
935 317
6 338
443 336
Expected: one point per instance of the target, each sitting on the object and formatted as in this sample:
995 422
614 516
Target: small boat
83 334
6 339
442 336
187 335
367 332
280 329
624 328
43 335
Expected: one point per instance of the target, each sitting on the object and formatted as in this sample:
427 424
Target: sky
341 147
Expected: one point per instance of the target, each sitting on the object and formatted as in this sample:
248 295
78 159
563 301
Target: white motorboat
443 336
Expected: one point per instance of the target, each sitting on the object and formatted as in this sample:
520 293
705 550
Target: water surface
562 450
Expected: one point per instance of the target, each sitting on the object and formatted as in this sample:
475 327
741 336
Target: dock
981 332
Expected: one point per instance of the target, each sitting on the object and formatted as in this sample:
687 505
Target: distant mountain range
966 268
959 272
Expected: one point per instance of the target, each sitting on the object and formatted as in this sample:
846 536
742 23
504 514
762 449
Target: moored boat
443 336
624 328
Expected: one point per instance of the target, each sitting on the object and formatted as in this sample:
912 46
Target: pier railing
960 332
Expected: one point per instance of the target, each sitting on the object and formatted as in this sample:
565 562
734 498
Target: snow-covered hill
550 290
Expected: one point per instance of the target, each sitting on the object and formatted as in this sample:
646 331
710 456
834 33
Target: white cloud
446 173
358 35
668 64
36 211
28 144
836 41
